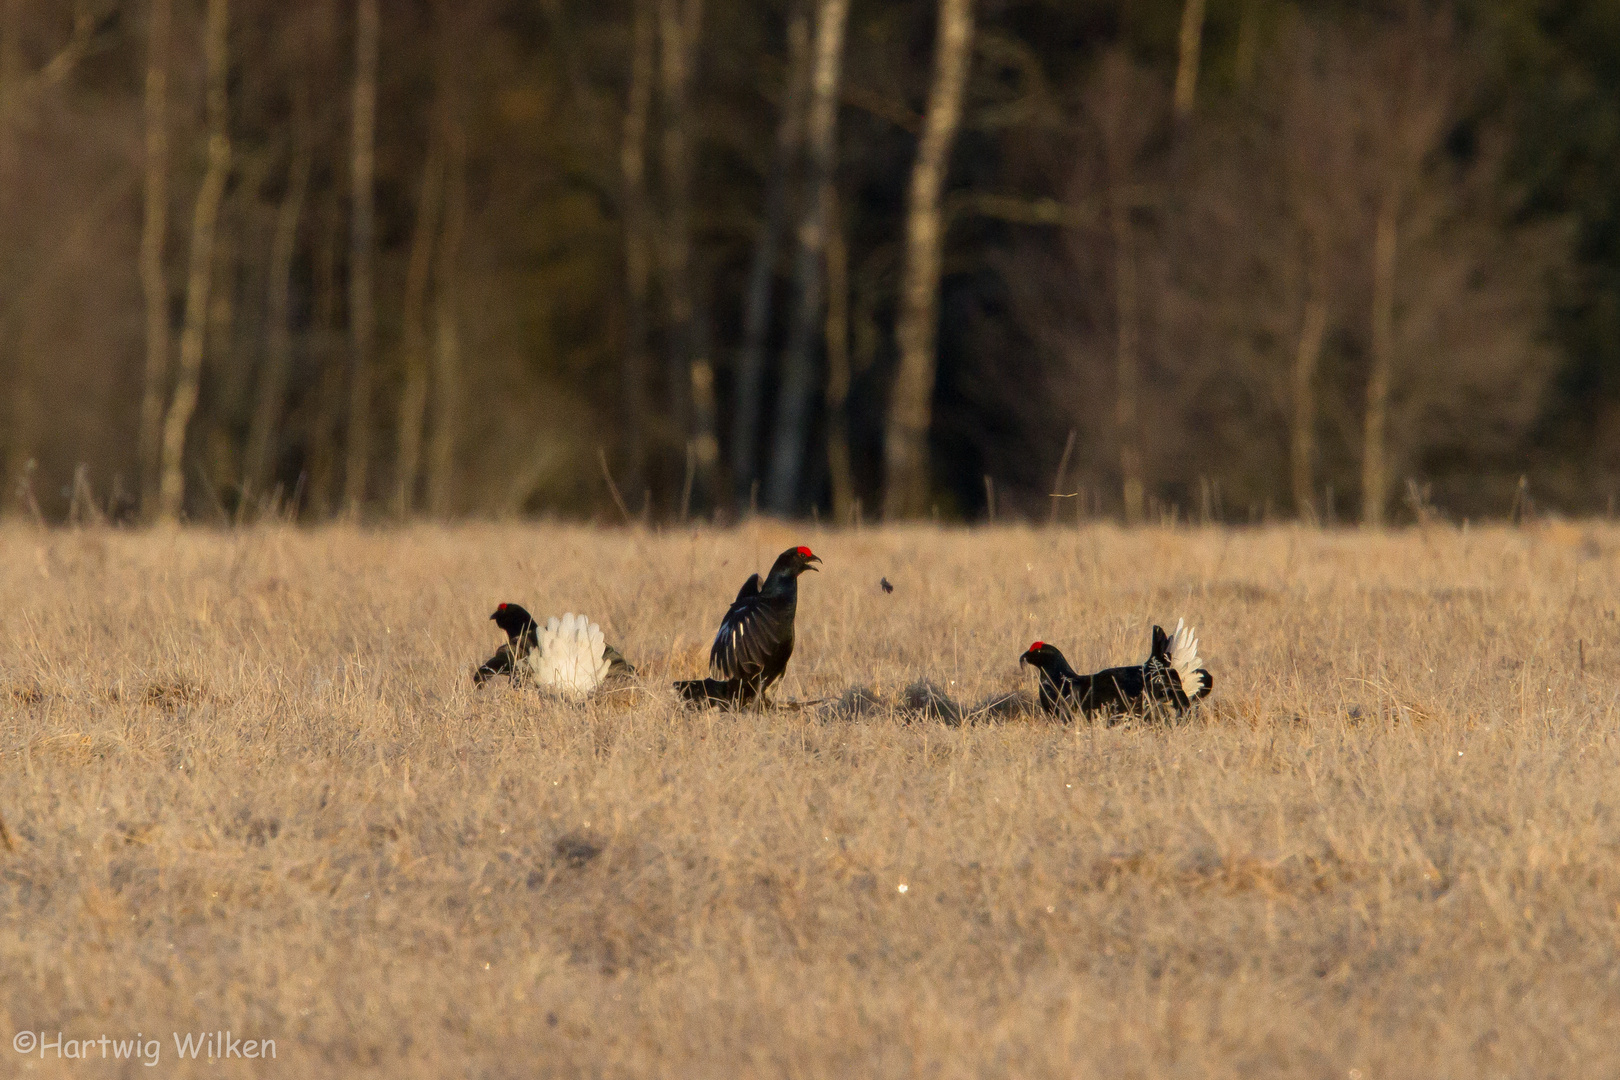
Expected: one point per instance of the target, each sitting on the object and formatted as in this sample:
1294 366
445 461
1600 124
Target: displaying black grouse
1164 680
756 637
567 655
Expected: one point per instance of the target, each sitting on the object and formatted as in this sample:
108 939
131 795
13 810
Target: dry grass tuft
246 783
924 700
172 694
25 695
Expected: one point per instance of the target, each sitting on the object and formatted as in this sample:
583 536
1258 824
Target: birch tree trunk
637 245
1189 53
447 377
750 384
362 227
413 396
1374 451
154 232
797 394
1302 437
271 393
171 493
911 407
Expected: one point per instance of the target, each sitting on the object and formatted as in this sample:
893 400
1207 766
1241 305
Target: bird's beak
810 560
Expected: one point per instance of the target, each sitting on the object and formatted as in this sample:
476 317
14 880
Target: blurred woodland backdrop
1223 259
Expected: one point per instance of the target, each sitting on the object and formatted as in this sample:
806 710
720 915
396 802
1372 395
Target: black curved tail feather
1206 683
1161 644
722 693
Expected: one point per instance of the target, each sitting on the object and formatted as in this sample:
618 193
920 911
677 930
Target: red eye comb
1037 645
806 552
501 608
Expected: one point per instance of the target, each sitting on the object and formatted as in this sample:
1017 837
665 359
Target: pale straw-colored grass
249 785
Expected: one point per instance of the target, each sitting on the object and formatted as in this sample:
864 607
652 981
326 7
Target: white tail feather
1184 656
571 657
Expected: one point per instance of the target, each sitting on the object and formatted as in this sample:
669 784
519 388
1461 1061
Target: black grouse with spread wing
1173 677
756 637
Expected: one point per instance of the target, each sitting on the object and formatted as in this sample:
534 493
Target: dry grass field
248 784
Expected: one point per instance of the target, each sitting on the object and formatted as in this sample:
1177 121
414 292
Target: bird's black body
1114 692
755 641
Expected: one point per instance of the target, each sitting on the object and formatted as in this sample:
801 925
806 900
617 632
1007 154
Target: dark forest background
1215 259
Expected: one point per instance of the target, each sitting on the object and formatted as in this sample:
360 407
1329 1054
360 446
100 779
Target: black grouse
1164 680
522 635
566 655
756 637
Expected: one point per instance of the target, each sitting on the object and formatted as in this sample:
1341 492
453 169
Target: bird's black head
513 619
1041 655
793 561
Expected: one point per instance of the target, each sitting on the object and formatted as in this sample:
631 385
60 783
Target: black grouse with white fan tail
567 655
755 641
1173 678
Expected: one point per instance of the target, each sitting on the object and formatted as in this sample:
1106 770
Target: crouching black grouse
567 655
1173 677
756 637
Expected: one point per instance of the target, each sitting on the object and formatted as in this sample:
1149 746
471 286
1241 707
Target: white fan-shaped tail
1184 656
571 656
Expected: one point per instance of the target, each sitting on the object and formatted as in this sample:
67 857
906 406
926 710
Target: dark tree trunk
447 374
638 242
838 365
414 394
750 386
271 393
796 401
362 229
154 234
690 376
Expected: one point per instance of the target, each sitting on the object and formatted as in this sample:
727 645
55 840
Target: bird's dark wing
499 664
751 632
618 666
